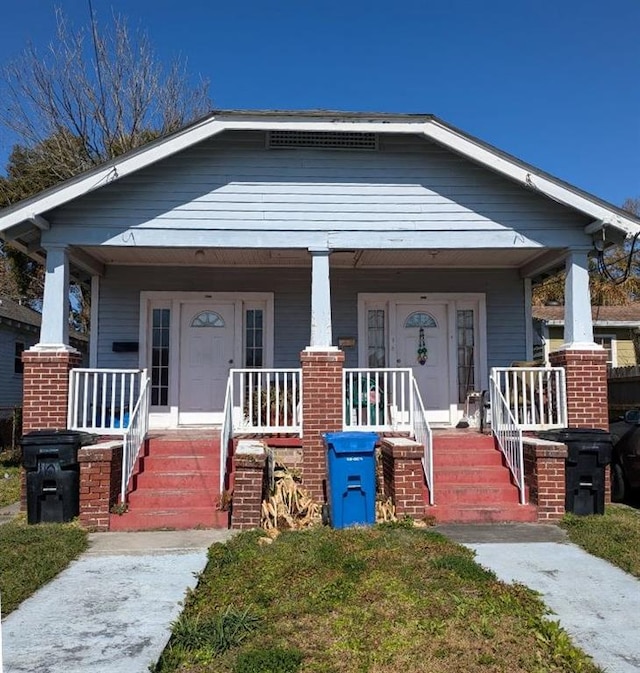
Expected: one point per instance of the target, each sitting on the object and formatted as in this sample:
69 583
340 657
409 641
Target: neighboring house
614 328
19 330
396 245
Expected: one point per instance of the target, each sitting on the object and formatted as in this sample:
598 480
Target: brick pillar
322 411
587 400
46 388
404 476
544 475
100 477
248 486
586 373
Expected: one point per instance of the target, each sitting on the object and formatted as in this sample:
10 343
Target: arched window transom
420 319
208 319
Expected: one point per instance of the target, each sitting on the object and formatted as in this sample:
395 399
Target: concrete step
162 447
204 479
481 494
164 499
457 513
472 475
472 457
171 519
179 463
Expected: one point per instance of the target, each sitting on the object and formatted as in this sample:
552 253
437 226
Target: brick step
204 479
164 499
472 475
156 447
463 440
480 494
169 519
483 513
178 463
466 458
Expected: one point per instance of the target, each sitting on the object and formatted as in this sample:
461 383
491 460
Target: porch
472 473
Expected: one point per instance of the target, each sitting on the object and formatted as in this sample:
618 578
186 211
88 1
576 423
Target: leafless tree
94 93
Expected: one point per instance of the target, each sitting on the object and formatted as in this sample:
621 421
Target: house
614 328
283 274
19 331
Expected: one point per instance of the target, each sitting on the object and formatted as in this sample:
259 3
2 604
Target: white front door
421 336
207 347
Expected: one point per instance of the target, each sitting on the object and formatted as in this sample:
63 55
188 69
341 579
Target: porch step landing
472 483
175 484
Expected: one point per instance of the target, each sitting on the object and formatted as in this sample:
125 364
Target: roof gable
428 126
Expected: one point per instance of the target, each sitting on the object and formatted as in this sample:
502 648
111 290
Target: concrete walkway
596 603
110 610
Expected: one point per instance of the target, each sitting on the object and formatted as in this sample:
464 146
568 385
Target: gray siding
233 184
10 382
120 302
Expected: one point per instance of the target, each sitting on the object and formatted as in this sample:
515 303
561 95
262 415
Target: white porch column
54 332
320 300
578 325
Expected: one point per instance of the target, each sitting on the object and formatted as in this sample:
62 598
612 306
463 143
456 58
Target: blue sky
555 82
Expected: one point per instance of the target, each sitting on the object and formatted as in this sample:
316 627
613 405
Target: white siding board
10 382
233 182
120 291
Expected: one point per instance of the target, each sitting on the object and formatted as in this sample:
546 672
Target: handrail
134 435
422 433
508 435
226 431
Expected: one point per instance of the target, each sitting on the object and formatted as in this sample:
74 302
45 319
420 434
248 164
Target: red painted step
472 483
176 484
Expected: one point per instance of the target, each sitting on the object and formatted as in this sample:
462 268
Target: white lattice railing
378 399
134 436
102 400
535 396
265 401
508 434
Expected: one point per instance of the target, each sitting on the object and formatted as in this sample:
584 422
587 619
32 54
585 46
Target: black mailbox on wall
124 346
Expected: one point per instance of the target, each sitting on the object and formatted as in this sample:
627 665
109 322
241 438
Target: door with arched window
421 333
207 349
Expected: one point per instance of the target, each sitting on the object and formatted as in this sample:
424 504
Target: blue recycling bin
352 478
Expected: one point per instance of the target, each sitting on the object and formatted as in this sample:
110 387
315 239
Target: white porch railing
378 399
508 433
102 400
265 401
422 433
134 436
535 396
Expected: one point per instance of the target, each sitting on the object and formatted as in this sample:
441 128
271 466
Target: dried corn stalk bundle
385 511
289 506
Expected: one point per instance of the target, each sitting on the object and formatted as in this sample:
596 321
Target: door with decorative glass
422 344
207 351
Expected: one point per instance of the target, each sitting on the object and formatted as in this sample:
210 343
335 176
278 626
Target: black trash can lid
575 434
54 436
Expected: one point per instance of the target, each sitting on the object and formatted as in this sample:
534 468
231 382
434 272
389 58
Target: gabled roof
605 215
603 316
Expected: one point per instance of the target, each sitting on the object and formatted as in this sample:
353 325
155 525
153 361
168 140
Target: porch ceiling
361 259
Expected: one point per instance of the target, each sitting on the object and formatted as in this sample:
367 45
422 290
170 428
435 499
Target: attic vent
320 140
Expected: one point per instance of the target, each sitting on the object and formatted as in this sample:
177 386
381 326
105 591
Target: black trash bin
589 453
50 458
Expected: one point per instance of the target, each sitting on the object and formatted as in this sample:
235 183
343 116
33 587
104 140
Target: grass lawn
9 478
614 536
30 556
390 599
